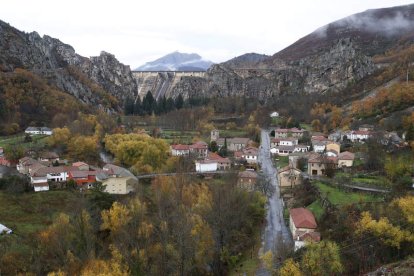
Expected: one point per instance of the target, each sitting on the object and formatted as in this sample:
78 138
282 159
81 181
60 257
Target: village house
83 178
319 146
303 227
49 156
247 179
288 132
117 180
206 165
42 176
358 135
282 150
222 162
38 131
24 164
289 177
120 185
317 165
180 150
199 149
233 144
333 146
346 159
82 166
301 148
250 155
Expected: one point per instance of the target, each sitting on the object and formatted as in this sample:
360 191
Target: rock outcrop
327 71
100 81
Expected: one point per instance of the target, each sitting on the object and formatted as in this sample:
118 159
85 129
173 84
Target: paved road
276 235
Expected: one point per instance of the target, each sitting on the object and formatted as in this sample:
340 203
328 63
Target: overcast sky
140 31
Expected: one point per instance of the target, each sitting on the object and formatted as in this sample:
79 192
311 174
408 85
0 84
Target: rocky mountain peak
177 61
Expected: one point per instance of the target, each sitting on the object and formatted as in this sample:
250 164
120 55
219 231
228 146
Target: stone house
233 144
346 159
289 177
247 180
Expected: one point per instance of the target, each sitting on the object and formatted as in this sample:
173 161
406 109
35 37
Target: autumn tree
290 268
322 258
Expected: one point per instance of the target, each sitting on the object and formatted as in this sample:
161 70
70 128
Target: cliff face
330 70
60 65
328 59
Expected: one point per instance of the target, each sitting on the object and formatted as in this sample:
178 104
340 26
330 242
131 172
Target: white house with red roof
250 155
180 150
303 226
206 165
199 149
223 163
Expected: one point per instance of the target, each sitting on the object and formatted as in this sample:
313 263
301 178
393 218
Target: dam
161 83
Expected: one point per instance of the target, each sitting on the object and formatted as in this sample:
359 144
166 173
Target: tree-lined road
276 235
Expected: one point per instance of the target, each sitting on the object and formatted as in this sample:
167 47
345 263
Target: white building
38 131
274 114
180 150
358 135
206 166
319 147
288 141
4 229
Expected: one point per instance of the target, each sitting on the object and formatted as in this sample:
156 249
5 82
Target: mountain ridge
177 61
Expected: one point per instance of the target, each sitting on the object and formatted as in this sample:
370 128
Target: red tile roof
49 170
218 158
180 147
78 164
346 155
199 145
303 218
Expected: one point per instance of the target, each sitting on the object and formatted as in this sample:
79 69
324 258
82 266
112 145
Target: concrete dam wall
161 83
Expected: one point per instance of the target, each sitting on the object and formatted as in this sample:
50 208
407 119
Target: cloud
372 22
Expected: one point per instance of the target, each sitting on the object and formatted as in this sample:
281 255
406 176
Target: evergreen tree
179 102
138 107
170 105
128 106
148 103
223 149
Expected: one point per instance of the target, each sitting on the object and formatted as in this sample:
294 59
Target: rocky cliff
329 70
328 59
101 81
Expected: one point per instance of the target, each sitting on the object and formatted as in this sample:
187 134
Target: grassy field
338 197
231 133
282 161
38 141
317 209
181 137
28 213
